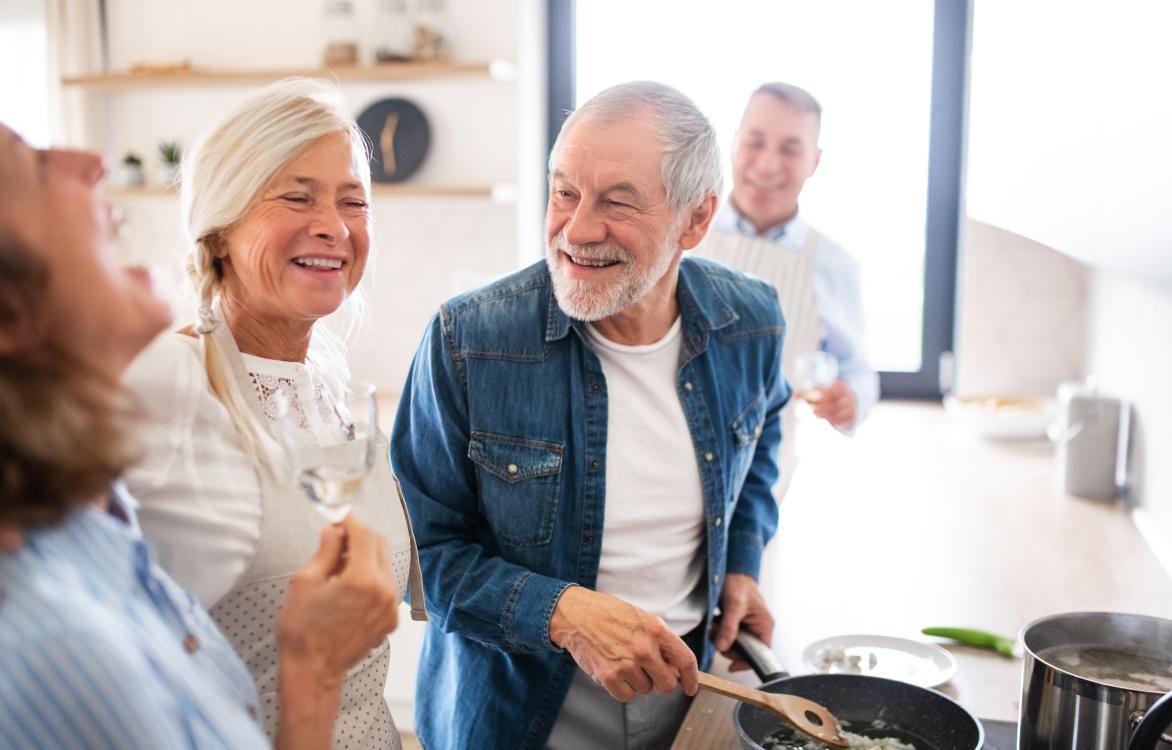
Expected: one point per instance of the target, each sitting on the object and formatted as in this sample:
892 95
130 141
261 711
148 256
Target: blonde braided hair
222 177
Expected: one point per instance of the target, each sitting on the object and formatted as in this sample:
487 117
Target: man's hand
837 405
741 603
623 649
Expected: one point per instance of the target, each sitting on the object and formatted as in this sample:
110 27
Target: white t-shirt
653 528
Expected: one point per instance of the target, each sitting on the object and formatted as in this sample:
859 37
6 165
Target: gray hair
691 155
795 96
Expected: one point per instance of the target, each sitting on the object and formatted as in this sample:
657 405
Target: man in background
775 152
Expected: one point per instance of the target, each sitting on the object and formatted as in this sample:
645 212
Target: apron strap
235 362
415 582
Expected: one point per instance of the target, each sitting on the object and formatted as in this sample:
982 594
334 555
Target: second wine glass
813 371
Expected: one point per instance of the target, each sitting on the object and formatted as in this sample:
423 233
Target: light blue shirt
837 294
99 648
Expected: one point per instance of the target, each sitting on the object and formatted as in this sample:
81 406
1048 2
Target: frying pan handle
1156 720
760 657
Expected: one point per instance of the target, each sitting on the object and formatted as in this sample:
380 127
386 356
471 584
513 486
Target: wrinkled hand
741 604
837 405
623 649
11 538
340 605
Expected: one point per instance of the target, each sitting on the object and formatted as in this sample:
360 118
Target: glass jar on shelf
394 32
432 31
340 27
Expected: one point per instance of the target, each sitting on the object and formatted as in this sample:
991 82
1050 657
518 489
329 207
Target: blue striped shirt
99 648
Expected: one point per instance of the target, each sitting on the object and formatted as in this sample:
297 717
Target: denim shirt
500 446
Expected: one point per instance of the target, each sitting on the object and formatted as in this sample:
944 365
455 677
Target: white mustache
606 251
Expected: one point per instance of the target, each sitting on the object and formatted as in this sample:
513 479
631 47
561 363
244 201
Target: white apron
792 275
289 537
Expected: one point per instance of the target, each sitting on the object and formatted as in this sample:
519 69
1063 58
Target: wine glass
330 467
813 371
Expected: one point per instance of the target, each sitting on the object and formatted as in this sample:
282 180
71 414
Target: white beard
592 301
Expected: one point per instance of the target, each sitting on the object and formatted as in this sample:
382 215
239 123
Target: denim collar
702 306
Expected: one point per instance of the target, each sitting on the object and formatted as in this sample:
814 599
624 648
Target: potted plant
170 154
132 175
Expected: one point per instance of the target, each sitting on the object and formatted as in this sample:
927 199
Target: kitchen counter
915 522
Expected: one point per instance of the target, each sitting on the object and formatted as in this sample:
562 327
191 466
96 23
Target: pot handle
760 657
1156 720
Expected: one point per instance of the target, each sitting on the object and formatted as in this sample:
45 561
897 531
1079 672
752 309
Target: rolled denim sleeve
470 590
755 519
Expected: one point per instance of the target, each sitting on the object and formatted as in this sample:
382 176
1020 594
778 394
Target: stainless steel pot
1063 711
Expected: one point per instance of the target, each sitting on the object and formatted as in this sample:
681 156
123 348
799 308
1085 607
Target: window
890 79
24 107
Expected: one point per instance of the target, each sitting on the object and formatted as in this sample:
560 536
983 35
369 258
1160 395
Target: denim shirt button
595 387
757 431
594 464
716 579
716 523
708 456
588 538
512 469
688 386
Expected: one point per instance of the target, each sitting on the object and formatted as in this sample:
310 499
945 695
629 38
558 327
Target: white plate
923 664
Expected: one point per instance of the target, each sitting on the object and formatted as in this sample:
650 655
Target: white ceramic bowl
914 662
1005 418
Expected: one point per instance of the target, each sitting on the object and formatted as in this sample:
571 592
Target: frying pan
922 717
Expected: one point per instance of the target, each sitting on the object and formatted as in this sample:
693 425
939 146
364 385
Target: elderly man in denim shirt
587 449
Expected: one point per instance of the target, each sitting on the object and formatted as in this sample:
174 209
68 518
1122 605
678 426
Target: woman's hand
339 607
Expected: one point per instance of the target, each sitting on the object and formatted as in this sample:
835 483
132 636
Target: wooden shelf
500 193
498 70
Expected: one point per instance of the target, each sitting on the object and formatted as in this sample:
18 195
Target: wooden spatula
804 715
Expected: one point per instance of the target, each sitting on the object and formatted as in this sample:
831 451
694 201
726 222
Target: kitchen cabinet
1068 129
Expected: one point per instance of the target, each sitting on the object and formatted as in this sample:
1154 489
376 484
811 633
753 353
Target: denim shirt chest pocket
746 429
519 485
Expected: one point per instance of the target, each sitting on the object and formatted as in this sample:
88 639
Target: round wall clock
399 137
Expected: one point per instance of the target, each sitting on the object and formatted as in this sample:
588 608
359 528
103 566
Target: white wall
1030 317
1067 145
1068 135
428 248
1021 324
1131 355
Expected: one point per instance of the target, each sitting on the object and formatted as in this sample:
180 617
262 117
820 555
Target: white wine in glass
331 468
813 371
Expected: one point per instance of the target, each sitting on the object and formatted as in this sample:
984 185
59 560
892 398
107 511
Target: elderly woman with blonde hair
276 210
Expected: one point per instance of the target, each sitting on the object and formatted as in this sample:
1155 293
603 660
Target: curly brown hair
62 424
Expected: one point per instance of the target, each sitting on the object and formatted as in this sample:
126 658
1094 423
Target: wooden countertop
917 523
